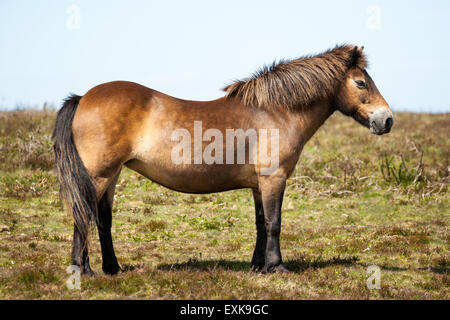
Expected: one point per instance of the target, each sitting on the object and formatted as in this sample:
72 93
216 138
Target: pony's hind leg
80 255
109 264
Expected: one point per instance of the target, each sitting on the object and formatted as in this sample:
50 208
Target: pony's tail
76 187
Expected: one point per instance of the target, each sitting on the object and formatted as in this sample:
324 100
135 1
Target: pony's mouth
374 129
379 131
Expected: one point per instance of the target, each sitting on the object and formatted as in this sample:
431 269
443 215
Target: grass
354 200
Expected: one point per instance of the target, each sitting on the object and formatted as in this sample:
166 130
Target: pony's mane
297 83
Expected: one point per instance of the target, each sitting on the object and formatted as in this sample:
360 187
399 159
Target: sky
192 49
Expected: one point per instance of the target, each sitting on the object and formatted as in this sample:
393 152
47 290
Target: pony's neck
309 120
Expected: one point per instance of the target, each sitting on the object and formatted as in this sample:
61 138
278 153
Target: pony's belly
194 178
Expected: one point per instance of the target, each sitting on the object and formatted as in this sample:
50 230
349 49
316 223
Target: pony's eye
361 84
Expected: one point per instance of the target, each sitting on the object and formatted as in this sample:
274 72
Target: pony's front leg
272 191
259 255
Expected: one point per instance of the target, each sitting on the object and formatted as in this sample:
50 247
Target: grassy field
355 200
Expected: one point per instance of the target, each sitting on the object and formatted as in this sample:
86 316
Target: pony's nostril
388 123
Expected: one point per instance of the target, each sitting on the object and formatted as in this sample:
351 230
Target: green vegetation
354 200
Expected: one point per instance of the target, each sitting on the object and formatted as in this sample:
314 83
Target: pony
122 123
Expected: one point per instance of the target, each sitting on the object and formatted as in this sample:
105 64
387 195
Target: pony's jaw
381 121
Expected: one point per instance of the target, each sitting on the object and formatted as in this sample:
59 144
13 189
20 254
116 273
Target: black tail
76 187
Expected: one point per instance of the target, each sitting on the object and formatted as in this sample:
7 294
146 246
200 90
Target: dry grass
354 200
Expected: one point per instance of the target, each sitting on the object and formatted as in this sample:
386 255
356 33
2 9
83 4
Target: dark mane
297 83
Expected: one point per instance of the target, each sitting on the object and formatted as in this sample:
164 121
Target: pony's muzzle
381 121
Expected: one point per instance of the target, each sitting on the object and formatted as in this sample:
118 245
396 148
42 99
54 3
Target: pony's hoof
257 268
112 269
88 272
275 269
281 269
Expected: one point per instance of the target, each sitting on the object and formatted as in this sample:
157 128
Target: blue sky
191 49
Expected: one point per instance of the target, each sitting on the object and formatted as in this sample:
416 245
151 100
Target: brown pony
124 123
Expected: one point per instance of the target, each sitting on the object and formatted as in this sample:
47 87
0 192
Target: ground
354 200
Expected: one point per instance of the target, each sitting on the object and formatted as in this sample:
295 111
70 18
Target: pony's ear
358 58
355 56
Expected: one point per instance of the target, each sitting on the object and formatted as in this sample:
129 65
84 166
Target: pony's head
359 98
